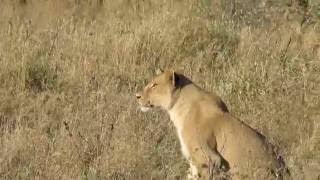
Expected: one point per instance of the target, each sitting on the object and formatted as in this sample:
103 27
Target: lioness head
158 92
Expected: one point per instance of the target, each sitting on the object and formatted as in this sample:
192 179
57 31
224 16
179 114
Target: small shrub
40 76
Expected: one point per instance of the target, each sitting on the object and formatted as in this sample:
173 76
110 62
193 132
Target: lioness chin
212 140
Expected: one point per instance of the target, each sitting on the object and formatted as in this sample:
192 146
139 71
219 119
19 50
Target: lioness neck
186 100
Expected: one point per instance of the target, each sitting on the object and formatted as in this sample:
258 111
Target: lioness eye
154 85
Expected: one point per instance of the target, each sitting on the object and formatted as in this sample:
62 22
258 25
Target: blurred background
69 70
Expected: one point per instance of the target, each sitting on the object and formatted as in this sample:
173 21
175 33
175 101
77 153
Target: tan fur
211 139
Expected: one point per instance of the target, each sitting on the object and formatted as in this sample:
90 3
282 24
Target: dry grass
69 71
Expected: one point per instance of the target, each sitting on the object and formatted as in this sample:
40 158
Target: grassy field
69 70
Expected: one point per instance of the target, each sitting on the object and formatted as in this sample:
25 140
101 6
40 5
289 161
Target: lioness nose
138 96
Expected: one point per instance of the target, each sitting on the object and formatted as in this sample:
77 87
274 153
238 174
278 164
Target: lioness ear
159 71
174 78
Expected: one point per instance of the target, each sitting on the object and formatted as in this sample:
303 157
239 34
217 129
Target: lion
215 143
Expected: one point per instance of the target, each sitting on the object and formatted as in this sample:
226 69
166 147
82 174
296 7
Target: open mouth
146 108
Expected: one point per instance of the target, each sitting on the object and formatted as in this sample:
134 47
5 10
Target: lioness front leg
193 173
216 163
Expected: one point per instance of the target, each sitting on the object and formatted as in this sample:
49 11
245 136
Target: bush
40 75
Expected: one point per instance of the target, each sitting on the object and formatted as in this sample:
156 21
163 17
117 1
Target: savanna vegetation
69 70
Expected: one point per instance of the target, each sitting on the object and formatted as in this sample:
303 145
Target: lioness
211 139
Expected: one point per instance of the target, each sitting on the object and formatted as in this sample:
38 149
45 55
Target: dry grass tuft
69 71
